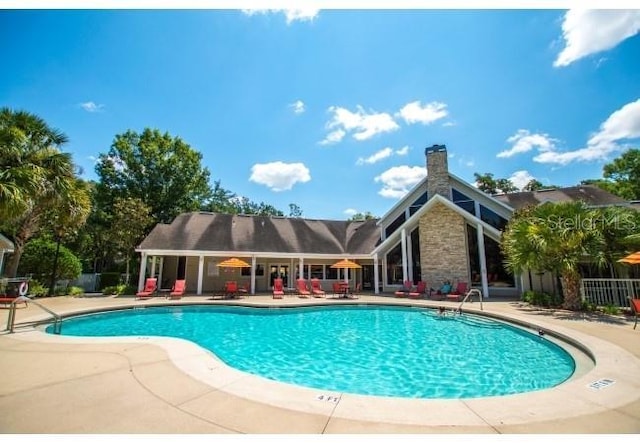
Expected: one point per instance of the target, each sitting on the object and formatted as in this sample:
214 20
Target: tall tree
555 237
130 220
295 210
533 185
624 171
37 180
362 216
161 170
486 183
505 185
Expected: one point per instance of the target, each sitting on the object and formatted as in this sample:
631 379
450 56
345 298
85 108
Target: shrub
75 291
36 289
611 309
38 258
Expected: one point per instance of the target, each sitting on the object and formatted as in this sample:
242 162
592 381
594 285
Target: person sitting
445 288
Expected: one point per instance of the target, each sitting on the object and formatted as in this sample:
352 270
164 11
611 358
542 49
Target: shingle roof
591 195
203 231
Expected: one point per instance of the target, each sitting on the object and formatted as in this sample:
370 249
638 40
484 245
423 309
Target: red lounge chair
231 289
278 289
303 292
635 309
420 290
337 290
406 289
150 288
178 289
459 292
316 289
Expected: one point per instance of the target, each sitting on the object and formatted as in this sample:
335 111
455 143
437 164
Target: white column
409 259
143 271
376 287
483 261
161 266
300 269
200 273
403 237
153 268
253 274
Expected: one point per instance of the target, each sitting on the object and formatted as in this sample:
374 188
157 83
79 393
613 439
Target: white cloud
91 107
298 107
521 178
361 124
382 154
290 14
279 176
350 212
397 181
415 112
525 141
623 124
589 31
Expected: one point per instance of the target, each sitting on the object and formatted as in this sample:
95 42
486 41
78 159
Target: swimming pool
365 349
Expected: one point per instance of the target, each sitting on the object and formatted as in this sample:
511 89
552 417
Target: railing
57 323
609 291
469 295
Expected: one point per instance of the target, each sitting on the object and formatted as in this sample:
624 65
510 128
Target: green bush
36 289
38 258
611 309
541 299
75 291
120 290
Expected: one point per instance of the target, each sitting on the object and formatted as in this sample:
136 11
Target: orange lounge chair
178 289
278 288
303 292
316 288
150 288
459 292
406 289
420 290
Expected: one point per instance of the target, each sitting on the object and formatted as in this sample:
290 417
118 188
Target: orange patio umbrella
632 259
346 264
234 263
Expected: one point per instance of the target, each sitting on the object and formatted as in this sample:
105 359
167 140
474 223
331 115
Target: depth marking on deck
601 384
329 398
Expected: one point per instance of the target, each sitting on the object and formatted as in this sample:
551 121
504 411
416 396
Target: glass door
279 271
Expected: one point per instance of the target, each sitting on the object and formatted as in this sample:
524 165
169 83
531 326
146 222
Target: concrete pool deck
60 385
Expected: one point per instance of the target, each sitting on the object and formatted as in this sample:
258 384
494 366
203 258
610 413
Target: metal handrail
469 294
57 324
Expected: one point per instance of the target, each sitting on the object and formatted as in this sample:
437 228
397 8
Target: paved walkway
56 384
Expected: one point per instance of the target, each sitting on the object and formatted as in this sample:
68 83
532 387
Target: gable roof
224 233
591 195
414 220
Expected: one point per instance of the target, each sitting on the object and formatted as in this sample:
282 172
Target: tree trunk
14 259
571 289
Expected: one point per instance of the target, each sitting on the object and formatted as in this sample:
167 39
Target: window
259 270
415 255
463 201
418 203
394 265
317 271
332 273
491 218
395 225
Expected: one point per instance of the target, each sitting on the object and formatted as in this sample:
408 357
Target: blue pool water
383 351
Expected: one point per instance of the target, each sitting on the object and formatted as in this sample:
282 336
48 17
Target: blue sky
332 109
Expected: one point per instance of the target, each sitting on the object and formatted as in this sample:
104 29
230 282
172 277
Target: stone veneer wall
443 247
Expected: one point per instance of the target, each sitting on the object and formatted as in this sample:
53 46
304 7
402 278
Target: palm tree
555 237
36 180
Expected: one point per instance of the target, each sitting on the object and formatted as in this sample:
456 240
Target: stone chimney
437 171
